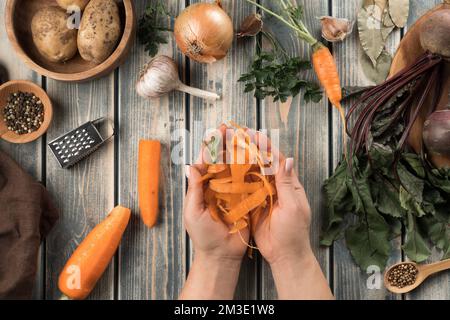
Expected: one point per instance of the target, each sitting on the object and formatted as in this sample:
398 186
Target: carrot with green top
322 59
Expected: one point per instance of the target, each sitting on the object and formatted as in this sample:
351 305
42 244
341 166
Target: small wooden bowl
25 86
18 16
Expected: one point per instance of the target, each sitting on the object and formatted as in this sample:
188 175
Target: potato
66 3
53 39
99 30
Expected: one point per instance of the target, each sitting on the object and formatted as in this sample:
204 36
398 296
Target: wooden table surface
153 264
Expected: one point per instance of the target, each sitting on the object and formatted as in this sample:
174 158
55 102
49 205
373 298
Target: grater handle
110 122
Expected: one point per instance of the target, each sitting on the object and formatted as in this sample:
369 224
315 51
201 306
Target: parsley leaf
151 27
279 77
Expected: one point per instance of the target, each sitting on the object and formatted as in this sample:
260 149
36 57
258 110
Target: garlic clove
251 26
335 29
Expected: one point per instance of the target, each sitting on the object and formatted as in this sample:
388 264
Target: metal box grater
72 147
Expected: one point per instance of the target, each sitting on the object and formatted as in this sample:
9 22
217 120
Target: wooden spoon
3 131
424 271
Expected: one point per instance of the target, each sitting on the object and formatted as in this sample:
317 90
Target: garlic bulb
160 77
251 26
335 29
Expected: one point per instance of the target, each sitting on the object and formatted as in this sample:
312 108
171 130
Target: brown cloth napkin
26 217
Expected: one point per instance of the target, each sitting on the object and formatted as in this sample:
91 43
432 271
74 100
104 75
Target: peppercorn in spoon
404 277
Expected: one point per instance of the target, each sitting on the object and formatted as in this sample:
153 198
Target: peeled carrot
88 262
148 180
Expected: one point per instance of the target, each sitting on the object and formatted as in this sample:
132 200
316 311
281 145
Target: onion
204 32
436 133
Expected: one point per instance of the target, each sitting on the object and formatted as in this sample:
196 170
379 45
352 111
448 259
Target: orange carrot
148 180
91 258
326 70
322 59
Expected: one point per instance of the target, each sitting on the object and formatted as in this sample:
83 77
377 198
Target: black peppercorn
23 113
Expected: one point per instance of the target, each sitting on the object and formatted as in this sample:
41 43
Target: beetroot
436 133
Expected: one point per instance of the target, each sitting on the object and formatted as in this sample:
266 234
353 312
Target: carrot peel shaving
236 192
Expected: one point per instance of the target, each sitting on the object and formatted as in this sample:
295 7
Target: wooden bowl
25 86
18 16
407 53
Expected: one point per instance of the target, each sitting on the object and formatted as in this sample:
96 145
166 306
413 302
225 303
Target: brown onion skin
436 133
204 32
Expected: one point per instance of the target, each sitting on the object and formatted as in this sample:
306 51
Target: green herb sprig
152 26
275 74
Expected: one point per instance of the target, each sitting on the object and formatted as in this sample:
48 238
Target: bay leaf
382 4
369 30
388 24
380 71
399 10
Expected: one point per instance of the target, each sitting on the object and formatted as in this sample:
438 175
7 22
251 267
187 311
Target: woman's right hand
286 234
284 239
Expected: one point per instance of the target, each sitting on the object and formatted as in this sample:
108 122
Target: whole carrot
88 262
148 180
326 71
322 59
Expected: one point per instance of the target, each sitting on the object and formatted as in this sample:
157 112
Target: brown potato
66 3
53 39
99 30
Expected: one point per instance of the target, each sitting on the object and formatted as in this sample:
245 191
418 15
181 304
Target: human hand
284 240
286 235
217 253
210 238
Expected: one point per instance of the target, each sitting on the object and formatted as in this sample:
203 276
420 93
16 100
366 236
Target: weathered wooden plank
349 280
305 137
151 262
84 193
438 287
222 77
27 155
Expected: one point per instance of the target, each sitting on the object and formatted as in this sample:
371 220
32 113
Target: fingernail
289 165
187 170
